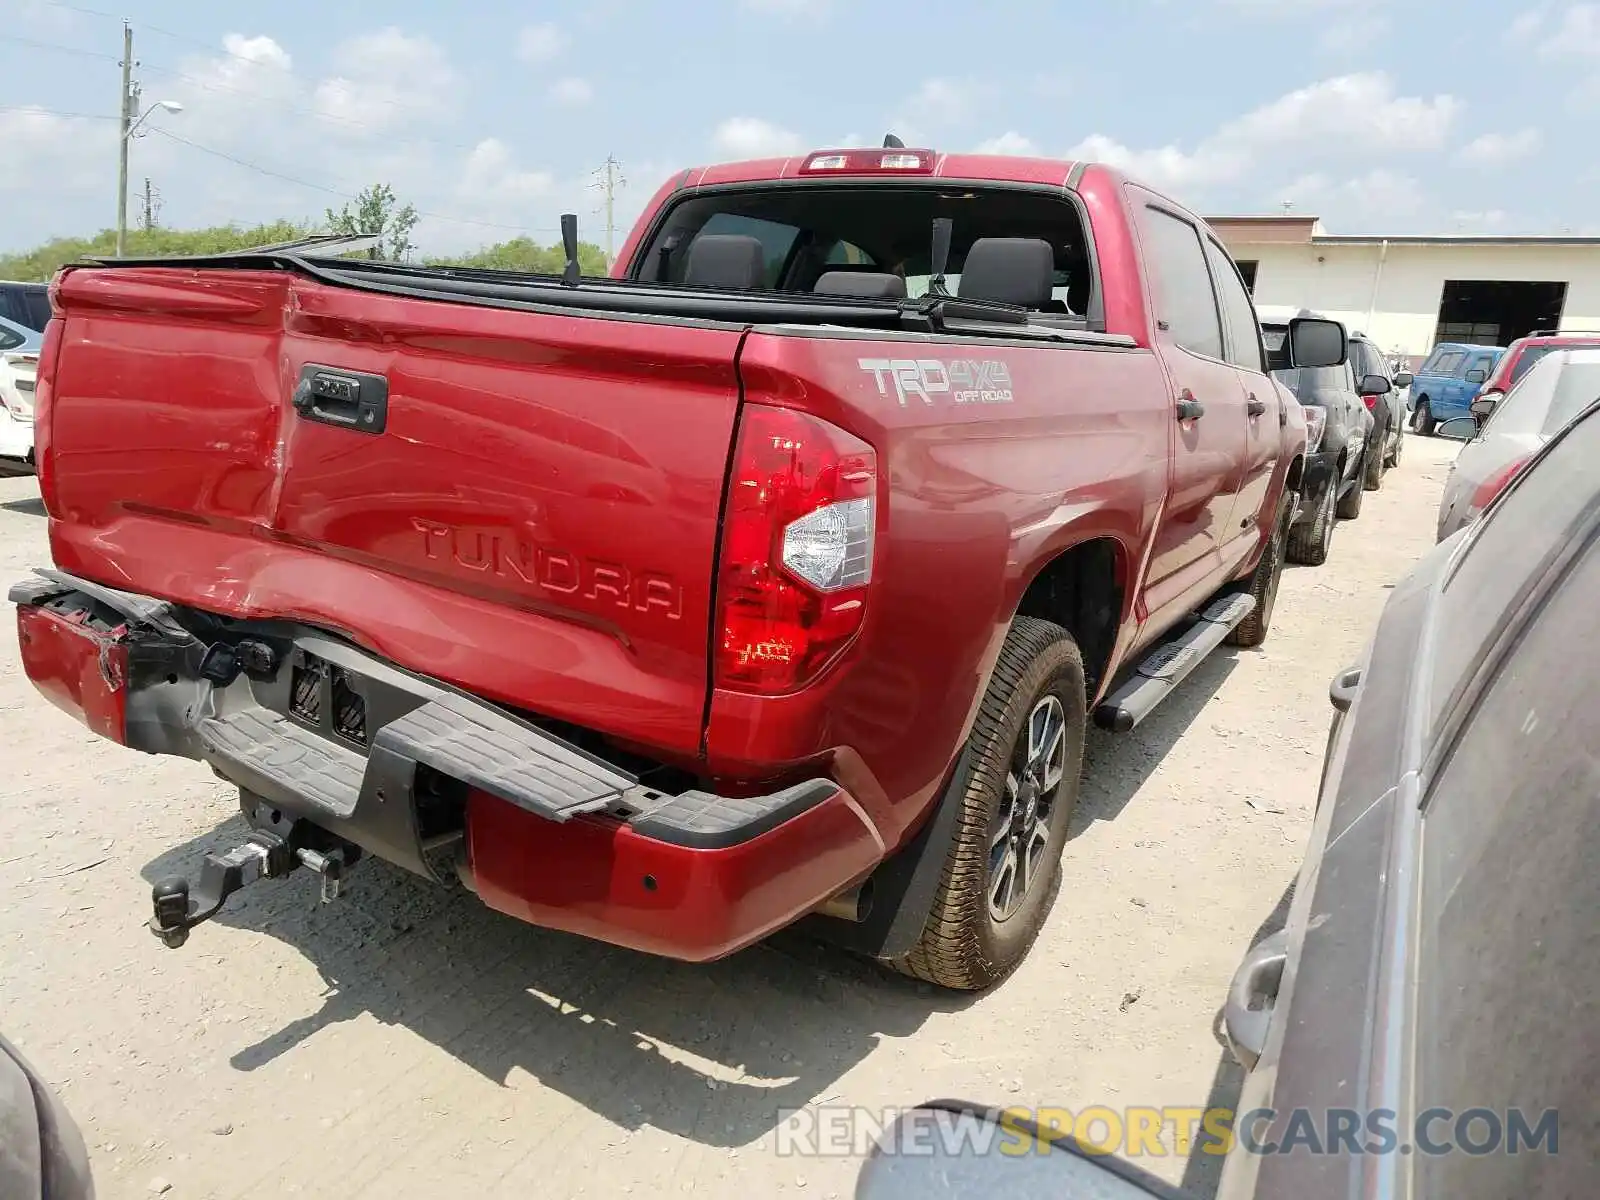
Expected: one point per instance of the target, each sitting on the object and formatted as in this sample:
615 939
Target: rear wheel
1308 543
1372 480
1349 507
1422 419
1263 585
1018 780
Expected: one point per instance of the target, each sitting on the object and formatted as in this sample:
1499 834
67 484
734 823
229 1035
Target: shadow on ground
636 1039
1203 1172
1116 765
28 506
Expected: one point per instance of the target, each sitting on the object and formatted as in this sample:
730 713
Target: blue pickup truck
1448 382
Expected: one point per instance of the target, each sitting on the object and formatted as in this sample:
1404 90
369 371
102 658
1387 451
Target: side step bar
1156 677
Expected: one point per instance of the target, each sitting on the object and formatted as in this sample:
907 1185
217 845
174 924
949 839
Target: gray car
42 1155
1504 432
1426 1024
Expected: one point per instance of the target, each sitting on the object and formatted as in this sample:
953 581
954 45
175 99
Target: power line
51 112
343 195
35 44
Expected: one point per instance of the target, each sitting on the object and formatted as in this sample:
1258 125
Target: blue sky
1378 115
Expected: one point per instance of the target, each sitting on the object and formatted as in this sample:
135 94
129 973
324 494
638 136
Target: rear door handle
1247 1013
352 400
1256 407
1189 409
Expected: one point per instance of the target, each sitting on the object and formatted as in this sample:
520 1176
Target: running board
1170 664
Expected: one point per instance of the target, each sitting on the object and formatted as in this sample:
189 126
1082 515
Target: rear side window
1510 543
1508 961
10 339
1185 303
1238 314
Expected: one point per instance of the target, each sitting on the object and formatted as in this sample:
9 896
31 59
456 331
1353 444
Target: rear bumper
16 445
443 784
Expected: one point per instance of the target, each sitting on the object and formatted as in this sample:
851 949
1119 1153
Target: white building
1408 293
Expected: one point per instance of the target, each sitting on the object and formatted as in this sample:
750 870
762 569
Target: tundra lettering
554 571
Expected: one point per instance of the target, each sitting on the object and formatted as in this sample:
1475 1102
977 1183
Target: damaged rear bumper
318 733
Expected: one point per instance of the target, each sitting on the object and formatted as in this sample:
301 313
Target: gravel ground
404 1043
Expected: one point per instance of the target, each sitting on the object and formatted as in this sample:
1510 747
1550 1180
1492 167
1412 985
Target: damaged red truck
775 577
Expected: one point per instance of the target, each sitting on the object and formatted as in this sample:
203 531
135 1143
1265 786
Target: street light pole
126 128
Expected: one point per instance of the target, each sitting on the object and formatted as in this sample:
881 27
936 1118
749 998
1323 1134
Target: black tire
1349 507
1422 418
1309 542
964 945
1263 583
1372 477
1393 460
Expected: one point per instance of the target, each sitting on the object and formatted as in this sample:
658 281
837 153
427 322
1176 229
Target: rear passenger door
1264 414
1203 476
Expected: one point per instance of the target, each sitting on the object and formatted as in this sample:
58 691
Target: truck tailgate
522 504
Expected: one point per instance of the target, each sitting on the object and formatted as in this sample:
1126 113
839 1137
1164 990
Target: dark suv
1338 427
1388 410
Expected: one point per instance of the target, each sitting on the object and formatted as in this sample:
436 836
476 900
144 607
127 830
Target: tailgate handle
350 399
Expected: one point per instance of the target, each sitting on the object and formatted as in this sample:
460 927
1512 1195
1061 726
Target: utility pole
609 183
125 128
152 206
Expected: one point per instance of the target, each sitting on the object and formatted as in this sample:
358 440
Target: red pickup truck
774 577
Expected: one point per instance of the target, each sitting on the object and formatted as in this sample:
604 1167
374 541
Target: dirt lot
403 1043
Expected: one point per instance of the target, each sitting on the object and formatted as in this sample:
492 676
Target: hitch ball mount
263 855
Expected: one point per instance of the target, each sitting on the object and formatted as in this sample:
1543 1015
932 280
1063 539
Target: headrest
1017 271
868 285
725 260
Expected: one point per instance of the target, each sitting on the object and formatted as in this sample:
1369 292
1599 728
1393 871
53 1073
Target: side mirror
1317 342
1458 429
1373 385
1477 375
1404 380
947 1149
1485 405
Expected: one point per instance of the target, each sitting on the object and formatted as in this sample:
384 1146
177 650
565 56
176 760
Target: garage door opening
1496 312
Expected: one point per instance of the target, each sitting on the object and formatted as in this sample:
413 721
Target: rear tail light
1493 486
43 394
1316 426
1371 403
797 550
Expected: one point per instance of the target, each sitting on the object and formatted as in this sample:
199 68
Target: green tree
42 262
378 212
525 254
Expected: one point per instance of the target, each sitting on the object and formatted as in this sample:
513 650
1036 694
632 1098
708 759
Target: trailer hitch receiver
178 908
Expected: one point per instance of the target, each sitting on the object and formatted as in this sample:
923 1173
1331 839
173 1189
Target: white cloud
1578 34
1487 221
389 79
751 137
1009 142
1376 196
572 91
1527 26
1497 149
490 175
1348 115
790 8
541 43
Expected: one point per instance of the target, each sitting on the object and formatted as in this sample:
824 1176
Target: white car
19 365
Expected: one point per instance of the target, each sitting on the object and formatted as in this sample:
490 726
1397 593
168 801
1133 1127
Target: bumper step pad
456 737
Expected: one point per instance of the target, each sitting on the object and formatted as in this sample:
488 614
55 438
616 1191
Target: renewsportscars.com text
1139 1132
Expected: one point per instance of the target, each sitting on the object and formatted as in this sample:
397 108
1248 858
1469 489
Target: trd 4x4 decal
964 380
